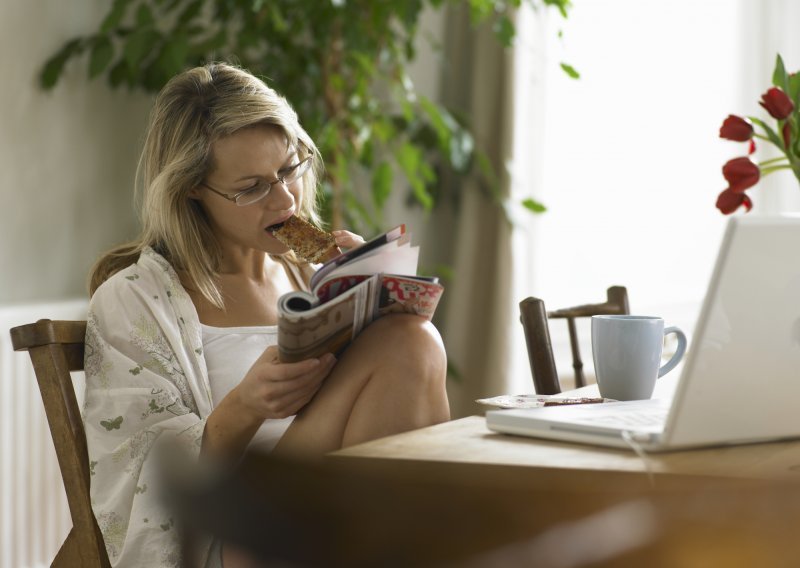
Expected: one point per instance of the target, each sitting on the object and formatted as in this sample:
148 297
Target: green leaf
55 65
443 271
504 31
779 76
52 71
101 55
570 70
771 134
454 373
534 206
119 73
140 44
114 17
173 55
381 184
440 126
278 19
562 6
354 205
144 16
384 130
794 88
190 13
410 160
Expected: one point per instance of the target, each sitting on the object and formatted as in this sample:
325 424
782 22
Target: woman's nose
280 198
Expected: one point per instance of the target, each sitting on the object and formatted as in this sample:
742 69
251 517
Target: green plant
341 63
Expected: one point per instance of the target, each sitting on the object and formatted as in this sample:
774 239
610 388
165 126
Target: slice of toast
307 241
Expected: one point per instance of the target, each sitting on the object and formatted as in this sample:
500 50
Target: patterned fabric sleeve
142 389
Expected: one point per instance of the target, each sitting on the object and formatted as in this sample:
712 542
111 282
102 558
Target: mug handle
676 358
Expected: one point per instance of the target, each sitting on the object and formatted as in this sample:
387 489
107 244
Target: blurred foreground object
291 513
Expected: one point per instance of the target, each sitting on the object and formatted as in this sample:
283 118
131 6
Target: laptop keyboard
632 418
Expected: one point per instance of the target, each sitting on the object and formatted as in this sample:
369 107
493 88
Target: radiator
34 517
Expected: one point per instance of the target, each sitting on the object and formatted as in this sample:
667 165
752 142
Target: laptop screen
741 379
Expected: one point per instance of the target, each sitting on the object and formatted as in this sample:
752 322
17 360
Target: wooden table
732 506
466 447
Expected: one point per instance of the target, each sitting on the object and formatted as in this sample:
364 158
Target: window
627 159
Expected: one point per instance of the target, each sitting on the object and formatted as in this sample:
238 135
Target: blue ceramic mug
627 354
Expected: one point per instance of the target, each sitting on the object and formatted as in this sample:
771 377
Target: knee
410 340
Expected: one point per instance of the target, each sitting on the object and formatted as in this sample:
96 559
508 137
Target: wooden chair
537 335
56 348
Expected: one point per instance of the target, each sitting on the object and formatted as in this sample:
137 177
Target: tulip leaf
794 89
779 76
771 134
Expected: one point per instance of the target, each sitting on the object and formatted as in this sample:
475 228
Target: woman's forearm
229 428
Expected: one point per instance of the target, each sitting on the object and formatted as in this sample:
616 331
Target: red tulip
777 103
729 201
736 128
751 149
741 173
787 134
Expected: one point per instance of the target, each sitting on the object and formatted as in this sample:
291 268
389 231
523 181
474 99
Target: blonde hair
192 111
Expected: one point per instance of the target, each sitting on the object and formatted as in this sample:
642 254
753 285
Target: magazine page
328 327
408 295
393 259
298 301
370 248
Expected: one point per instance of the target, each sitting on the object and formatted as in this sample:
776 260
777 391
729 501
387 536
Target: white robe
146 381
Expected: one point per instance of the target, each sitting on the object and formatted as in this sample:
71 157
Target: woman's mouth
279 224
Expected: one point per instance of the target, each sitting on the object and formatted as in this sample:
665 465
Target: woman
181 329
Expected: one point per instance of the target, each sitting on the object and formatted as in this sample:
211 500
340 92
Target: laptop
741 378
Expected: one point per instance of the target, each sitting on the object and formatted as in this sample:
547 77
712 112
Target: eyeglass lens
263 189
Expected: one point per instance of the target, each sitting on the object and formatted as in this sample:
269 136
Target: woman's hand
272 389
347 239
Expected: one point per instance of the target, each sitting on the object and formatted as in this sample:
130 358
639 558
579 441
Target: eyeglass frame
281 179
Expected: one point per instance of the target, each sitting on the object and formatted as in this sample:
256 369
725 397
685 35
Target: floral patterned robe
146 382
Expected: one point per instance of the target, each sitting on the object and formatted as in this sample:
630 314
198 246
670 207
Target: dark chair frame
56 348
534 316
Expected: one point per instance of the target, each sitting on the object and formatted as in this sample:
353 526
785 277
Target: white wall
67 156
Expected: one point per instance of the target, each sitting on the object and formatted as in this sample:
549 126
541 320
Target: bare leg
389 380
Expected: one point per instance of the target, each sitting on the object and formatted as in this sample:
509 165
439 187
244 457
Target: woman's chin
274 246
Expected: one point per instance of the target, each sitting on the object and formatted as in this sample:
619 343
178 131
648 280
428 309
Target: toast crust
307 241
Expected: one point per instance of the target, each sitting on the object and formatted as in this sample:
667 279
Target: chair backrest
56 348
534 316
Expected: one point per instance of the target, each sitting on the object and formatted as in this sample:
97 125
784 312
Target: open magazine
350 292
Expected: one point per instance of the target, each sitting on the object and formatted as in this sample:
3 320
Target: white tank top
229 354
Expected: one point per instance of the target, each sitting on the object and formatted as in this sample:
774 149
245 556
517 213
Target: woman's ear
194 193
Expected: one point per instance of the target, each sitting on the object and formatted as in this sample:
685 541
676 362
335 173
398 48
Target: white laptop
741 378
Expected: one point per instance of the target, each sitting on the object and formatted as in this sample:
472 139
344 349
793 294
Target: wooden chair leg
540 351
577 362
71 555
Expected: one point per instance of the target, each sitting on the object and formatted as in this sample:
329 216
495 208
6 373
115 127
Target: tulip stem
772 161
770 169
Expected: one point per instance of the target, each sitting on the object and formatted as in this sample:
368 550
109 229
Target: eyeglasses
262 188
